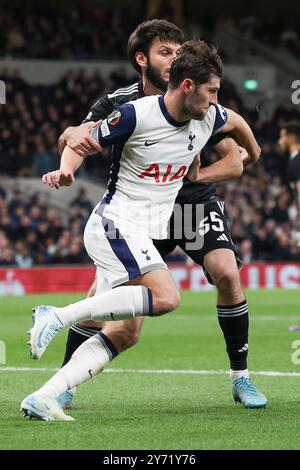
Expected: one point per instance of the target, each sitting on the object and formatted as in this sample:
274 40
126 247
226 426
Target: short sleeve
221 117
117 127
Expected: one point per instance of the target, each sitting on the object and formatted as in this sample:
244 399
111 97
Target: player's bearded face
156 76
159 59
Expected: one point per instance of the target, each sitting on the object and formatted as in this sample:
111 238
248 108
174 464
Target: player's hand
80 140
244 154
58 178
193 173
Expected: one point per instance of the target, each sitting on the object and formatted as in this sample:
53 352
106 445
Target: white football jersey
152 153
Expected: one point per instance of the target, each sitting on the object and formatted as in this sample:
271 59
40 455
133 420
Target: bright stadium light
250 84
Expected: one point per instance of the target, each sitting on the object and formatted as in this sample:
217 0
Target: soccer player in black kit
289 142
152 47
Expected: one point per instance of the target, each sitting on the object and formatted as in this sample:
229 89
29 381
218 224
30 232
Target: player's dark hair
292 128
142 37
196 60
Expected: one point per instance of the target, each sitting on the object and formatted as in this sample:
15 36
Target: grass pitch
169 391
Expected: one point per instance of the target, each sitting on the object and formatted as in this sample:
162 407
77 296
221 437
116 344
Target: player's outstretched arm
79 139
69 163
240 130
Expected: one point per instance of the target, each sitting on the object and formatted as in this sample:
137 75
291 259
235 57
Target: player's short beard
198 116
154 76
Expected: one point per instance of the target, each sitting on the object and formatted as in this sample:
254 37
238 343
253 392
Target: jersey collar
167 115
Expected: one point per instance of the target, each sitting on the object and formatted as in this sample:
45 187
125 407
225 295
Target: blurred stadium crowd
32 232
34 117
71 34
74 33
260 204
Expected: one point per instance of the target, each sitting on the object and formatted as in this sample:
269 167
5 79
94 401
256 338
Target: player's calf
165 302
123 334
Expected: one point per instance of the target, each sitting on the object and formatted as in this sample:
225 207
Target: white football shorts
119 258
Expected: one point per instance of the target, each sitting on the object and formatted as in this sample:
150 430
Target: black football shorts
198 229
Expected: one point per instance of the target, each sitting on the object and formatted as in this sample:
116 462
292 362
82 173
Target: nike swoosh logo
39 343
148 143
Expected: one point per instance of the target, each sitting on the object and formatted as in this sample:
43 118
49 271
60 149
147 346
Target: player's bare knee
227 279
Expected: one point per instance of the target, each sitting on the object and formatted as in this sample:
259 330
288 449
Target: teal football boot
245 392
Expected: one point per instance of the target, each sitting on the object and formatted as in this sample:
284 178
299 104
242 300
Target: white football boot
43 407
46 326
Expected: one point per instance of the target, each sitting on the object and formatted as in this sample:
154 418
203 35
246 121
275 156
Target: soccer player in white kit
153 156
156 139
